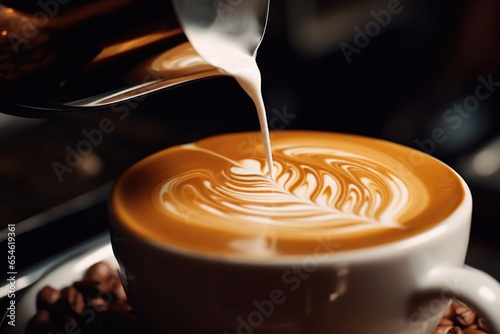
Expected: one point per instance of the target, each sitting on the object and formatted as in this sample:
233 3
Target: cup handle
477 289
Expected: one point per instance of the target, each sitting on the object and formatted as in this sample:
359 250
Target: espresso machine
89 87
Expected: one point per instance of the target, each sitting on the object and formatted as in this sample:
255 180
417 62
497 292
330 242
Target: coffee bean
481 324
99 272
47 298
40 323
456 330
98 304
474 331
73 299
464 316
442 330
88 289
446 322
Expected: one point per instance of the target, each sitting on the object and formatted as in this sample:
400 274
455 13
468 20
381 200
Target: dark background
398 87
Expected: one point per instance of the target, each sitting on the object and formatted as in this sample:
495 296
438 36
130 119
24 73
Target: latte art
315 189
216 196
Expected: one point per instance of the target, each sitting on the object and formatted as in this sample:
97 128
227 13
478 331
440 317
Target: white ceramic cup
401 287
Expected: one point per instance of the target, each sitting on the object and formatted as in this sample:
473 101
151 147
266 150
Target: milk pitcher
67 57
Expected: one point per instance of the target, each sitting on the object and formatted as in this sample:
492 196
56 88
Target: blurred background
426 76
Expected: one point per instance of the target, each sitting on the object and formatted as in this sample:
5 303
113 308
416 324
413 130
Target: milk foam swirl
315 189
330 192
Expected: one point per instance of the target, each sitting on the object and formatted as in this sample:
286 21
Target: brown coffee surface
216 197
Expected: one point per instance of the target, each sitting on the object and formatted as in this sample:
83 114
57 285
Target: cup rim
461 215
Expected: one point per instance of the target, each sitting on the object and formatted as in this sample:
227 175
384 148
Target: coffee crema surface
215 196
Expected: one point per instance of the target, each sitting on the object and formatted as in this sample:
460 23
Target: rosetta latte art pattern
313 189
